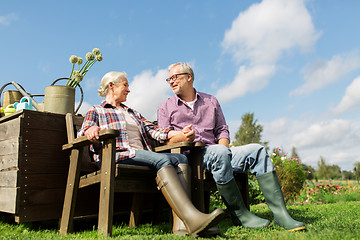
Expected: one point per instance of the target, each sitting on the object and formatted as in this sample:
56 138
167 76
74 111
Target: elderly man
203 111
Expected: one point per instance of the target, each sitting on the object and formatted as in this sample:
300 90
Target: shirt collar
197 96
105 104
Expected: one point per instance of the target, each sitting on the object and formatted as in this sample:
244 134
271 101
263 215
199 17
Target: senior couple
187 116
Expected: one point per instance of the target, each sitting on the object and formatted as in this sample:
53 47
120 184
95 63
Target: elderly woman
133 147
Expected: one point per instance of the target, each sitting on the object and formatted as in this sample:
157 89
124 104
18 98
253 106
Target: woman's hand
92 134
185 135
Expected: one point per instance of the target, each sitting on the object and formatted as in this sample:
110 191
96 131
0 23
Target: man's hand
185 135
92 134
189 133
224 141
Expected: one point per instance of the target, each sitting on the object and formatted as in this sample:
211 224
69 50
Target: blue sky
294 64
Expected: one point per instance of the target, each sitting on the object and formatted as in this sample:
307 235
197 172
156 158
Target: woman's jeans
221 161
155 160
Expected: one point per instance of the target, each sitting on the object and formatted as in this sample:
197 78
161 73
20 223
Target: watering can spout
25 94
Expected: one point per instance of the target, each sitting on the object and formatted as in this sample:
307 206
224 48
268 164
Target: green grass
324 221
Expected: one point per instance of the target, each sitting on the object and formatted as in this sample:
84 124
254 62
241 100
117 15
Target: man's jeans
155 160
222 161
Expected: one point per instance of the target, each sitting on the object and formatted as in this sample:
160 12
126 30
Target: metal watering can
56 100
61 99
11 97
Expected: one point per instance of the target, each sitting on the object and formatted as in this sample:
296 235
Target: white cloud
6 20
322 134
351 97
147 91
322 73
247 80
314 138
261 34
266 29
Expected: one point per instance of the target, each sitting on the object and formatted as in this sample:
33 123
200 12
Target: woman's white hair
114 77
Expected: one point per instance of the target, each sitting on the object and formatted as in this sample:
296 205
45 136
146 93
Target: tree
249 131
322 171
328 171
357 170
347 175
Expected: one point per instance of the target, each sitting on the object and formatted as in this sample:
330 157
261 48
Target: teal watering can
25 103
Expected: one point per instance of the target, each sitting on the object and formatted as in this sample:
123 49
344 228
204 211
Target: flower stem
70 74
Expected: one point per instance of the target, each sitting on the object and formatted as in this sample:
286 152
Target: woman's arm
185 135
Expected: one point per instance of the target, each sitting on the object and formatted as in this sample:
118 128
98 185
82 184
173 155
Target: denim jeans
222 161
155 160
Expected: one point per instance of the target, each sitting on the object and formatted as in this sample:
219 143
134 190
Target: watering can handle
2 88
81 90
25 94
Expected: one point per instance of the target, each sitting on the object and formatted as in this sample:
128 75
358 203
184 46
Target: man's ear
189 78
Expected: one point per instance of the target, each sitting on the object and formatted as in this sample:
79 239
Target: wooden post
106 202
66 223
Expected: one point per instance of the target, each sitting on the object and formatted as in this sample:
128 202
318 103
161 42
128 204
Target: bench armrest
182 145
83 141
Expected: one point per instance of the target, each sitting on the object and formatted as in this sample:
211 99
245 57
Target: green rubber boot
271 189
240 215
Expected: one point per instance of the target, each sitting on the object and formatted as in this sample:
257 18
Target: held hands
185 135
92 134
189 133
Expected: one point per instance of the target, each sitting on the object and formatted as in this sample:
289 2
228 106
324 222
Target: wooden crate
33 167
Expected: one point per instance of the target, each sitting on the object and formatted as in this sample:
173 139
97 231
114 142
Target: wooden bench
138 180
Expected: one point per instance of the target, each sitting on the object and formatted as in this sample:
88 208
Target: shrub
290 172
255 194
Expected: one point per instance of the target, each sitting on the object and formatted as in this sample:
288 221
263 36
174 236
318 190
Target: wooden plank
46 162
29 197
136 186
42 181
8 199
41 136
49 148
9 162
106 202
72 186
38 213
9 178
43 120
9 146
10 129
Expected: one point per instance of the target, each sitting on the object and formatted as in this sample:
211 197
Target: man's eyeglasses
174 77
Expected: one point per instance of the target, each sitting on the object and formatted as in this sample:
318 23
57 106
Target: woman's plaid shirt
107 116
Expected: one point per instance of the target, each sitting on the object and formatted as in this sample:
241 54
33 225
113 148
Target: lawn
339 220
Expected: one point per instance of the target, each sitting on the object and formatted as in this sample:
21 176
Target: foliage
328 193
77 76
290 172
357 170
328 171
310 171
255 194
249 131
347 175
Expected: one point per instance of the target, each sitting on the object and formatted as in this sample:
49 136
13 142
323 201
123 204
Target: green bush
255 194
290 172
